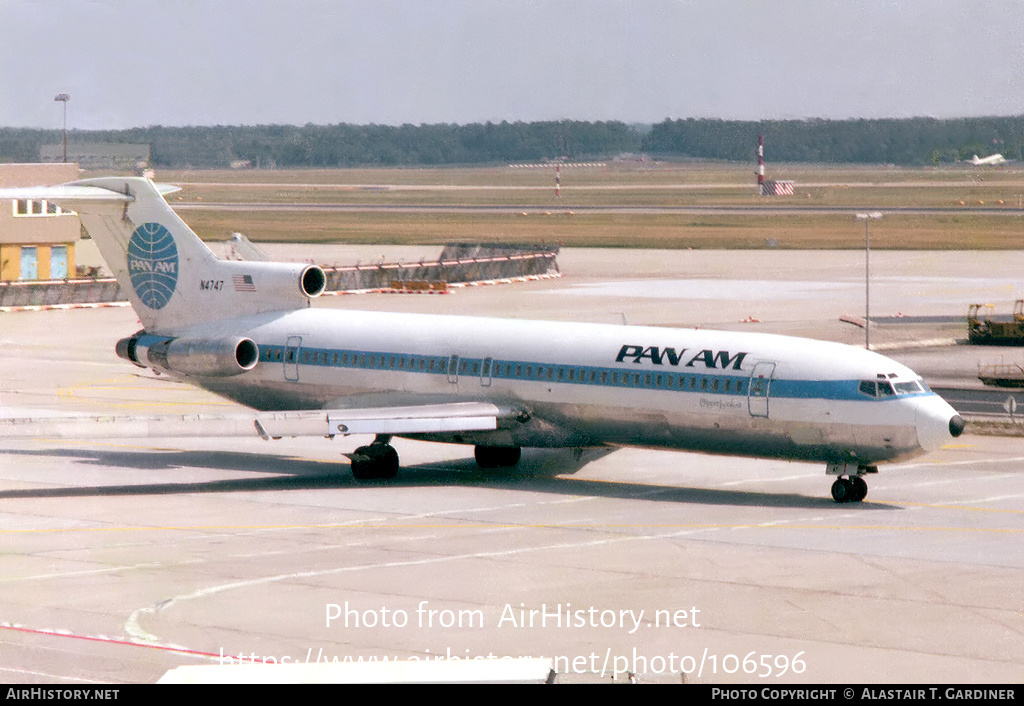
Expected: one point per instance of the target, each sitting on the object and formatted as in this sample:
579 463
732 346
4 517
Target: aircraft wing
416 419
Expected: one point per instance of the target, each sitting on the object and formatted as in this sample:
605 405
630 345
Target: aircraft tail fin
172 279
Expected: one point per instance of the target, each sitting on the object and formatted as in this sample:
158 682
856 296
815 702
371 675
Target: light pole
64 98
867 218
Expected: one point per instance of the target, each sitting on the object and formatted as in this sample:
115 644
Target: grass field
534 213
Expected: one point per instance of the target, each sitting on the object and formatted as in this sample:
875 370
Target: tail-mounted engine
275 283
197 357
277 280
313 281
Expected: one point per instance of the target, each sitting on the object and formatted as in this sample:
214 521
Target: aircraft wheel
842 490
361 470
387 463
497 456
375 461
860 489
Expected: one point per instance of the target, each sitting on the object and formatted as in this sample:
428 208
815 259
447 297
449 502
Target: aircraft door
485 372
757 390
453 369
291 358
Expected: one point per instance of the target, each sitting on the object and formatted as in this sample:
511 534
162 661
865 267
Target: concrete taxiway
125 558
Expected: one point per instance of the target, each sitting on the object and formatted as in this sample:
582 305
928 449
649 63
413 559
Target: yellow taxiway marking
95 395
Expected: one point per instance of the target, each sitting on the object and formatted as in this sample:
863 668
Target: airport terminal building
99 155
37 238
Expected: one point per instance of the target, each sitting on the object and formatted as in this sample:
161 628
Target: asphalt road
999 403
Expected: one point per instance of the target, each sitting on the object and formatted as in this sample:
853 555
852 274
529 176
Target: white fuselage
588 384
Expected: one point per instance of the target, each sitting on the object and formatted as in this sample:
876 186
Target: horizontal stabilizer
76 192
456 416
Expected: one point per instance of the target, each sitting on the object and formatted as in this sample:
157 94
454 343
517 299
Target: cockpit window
883 388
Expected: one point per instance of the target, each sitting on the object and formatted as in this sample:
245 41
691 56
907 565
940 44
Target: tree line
346 145
908 141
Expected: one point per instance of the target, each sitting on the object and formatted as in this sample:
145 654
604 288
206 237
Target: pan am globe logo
153 264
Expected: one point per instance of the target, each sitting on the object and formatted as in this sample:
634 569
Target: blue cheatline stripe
621 377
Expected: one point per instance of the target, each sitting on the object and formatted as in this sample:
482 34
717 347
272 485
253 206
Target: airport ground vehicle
984 329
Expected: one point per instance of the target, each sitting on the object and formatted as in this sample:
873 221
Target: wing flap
456 416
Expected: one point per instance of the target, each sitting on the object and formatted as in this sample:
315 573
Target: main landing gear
379 460
853 488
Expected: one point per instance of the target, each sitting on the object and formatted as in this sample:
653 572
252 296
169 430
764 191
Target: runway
725 210
125 558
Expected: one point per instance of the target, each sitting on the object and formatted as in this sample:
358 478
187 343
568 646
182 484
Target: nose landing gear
849 490
852 488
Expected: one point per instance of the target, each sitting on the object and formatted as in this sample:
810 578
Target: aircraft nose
937 423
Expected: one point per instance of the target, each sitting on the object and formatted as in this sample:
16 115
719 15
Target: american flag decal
243 283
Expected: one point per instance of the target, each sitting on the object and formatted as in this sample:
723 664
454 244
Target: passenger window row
509 370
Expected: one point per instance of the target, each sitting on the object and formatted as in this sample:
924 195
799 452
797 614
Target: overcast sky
130 63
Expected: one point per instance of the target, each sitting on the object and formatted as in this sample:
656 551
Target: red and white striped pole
760 164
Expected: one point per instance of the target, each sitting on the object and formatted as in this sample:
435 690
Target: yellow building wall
44 262
10 261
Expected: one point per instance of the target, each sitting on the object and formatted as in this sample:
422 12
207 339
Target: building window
29 207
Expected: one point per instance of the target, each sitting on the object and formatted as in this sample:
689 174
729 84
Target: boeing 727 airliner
245 330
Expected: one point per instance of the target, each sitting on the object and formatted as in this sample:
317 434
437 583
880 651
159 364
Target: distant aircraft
990 161
245 330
